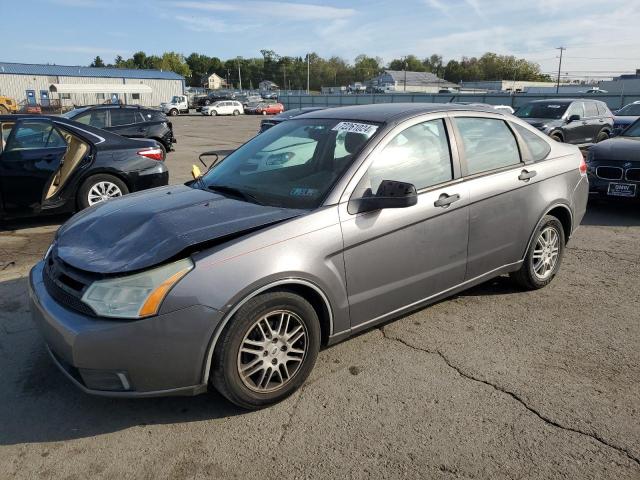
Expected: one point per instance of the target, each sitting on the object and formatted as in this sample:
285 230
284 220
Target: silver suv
314 230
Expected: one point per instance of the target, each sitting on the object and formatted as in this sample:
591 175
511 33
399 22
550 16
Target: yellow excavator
8 105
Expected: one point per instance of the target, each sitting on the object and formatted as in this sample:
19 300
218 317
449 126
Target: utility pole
405 74
308 68
562 49
239 73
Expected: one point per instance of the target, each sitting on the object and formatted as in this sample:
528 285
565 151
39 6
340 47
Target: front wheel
602 136
174 112
213 113
267 350
99 188
557 137
544 256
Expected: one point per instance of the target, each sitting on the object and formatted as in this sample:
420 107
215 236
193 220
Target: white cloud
282 10
205 24
439 6
77 49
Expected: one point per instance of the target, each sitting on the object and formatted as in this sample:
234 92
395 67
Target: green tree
366 67
97 62
411 63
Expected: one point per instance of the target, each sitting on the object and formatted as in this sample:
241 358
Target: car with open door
49 164
319 228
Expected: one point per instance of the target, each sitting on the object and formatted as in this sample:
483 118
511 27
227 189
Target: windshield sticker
352 127
303 192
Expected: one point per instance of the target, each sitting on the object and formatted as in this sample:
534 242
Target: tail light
154 153
583 166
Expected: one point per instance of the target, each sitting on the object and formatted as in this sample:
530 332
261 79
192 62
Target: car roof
564 100
384 112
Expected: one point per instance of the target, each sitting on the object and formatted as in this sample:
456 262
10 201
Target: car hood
624 119
143 229
539 122
622 149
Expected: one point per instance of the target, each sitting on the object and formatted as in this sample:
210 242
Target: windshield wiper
235 192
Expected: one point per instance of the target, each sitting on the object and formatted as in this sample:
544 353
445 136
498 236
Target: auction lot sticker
351 127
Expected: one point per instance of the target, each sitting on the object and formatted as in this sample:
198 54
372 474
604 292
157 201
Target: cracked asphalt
492 383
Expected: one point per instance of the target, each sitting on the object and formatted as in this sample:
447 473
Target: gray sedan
320 227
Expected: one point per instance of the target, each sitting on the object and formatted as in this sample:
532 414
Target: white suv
223 107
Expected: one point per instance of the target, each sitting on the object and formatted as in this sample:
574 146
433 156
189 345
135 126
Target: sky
600 36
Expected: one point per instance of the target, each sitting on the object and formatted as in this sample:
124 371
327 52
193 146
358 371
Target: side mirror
573 118
390 194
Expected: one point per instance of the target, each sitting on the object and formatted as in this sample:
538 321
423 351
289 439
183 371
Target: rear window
488 144
122 116
590 109
542 110
538 147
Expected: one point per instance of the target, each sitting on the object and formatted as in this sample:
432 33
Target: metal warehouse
55 86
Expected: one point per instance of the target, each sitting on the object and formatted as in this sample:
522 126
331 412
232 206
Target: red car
270 108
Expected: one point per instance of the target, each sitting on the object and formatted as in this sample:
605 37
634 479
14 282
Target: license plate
622 190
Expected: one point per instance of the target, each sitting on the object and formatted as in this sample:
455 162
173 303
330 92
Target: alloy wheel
102 191
272 351
545 253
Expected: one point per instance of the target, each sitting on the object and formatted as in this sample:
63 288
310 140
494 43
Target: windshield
631 110
176 99
72 113
292 165
542 110
633 130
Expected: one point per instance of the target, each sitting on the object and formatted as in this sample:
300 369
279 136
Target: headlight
135 296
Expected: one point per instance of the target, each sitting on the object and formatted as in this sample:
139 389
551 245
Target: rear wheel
543 257
236 112
264 112
99 188
267 350
603 135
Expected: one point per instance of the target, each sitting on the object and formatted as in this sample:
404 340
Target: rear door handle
445 200
526 175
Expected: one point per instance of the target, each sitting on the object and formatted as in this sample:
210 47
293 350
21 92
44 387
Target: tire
236 113
94 181
213 113
174 112
264 112
4 110
251 391
557 137
529 276
603 135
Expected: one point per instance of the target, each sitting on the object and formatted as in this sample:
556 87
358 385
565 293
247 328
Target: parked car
576 121
130 121
214 97
267 123
177 105
49 164
614 165
230 107
625 117
331 223
500 108
264 108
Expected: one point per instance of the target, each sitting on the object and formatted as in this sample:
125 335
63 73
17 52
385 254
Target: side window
538 147
122 116
5 130
590 109
34 135
142 117
488 144
419 155
603 109
95 118
575 108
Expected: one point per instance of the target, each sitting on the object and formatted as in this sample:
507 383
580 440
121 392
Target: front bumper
156 356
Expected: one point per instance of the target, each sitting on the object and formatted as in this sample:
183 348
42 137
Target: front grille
609 173
633 175
65 289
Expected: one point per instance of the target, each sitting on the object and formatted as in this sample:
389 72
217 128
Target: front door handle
445 200
526 175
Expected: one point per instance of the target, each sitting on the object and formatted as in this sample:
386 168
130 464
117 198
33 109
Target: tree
366 67
97 62
174 62
411 63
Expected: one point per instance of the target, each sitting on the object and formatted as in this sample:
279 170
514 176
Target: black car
625 117
130 121
49 164
577 121
267 123
613 166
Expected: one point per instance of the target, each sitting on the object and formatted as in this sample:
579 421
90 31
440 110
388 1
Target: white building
214 82
414 82
61 85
